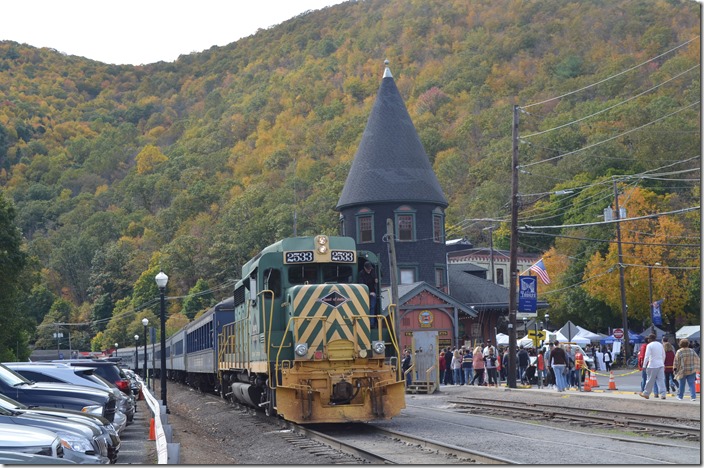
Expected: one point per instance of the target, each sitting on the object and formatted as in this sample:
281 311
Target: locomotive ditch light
301 349
379 347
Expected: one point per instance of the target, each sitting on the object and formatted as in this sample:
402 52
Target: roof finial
387 72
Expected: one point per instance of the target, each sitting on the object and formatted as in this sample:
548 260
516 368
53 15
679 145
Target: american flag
539 269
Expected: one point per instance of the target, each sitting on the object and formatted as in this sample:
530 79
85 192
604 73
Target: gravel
213 431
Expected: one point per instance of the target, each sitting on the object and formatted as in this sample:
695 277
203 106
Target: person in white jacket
654 365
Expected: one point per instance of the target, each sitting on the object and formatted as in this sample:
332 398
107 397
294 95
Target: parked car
106 427
82 443
16 458
106 369
77 375
30 440
134 383
81 398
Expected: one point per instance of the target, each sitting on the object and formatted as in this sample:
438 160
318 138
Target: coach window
272 281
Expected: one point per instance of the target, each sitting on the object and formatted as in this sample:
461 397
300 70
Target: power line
610 77
611 107
609 241
598 143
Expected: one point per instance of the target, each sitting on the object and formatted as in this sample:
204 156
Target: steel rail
463 454
572 415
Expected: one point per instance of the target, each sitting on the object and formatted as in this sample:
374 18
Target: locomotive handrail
392 308
271 320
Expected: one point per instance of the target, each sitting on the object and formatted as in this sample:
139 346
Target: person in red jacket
442 365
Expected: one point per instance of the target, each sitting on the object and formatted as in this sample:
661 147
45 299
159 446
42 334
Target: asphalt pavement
136 448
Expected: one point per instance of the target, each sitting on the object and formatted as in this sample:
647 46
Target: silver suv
31 440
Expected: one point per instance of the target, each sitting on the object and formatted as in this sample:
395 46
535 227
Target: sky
142 31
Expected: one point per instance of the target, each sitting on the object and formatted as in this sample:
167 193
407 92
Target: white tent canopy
501 339
580 340
584 333
691 332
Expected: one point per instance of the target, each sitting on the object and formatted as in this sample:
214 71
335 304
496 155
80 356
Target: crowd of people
664 370
563 366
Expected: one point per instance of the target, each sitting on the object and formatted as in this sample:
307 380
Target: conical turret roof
391 164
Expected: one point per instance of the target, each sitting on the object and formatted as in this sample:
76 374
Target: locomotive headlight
379 347
322 243
301 349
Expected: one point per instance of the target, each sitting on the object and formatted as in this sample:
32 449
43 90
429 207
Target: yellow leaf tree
150 157
644 242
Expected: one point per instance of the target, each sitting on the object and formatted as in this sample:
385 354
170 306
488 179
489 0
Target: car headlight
75 442
379 347
301 349
93 409
111 429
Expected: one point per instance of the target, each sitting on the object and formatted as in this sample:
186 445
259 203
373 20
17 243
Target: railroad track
639 423
377 445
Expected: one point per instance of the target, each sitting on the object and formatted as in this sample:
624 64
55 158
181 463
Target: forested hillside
117 172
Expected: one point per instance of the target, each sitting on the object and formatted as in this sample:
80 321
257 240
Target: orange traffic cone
587 384
612 383
697 384
152 432
594 383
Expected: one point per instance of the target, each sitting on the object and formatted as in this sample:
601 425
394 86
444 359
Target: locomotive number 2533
305 256
342 256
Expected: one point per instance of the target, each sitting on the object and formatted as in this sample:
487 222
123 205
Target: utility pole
513 256
624 307
394 280
491 250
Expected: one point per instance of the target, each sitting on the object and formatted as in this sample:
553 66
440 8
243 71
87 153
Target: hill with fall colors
115 172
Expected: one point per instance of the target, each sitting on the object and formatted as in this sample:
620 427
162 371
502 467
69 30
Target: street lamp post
650 291
116 349
145 322
525 326
136 354
161 280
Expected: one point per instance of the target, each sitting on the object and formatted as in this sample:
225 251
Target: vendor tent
501 339
659 333
584 333
691 332
575 339
632 337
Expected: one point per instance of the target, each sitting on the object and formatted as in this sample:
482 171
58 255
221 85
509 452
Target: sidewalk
136 448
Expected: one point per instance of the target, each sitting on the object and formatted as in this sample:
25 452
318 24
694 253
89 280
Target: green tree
198 299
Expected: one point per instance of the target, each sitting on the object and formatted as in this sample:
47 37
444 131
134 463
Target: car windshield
9 403
11 377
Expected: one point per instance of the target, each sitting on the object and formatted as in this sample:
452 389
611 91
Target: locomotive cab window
333 273
302 274
272 281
